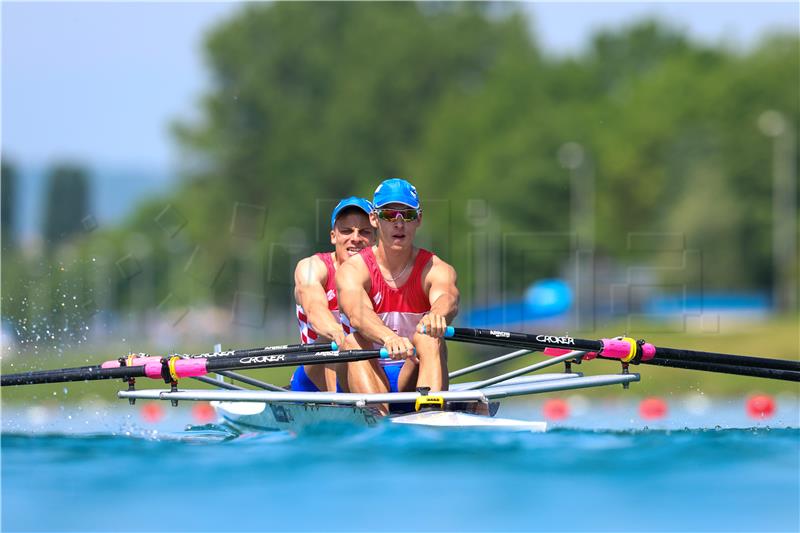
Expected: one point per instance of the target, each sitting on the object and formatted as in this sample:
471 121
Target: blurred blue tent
545 299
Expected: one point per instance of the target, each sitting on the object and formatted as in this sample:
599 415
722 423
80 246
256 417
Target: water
117 473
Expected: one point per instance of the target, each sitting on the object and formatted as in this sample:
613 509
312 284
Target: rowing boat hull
268 416
265 410
260 416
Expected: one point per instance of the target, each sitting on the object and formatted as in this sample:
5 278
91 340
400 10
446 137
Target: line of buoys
153 412
758 406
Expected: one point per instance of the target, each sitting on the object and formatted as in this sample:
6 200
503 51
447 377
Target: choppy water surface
125 476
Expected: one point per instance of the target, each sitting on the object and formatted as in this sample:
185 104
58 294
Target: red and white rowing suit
399 308
307 333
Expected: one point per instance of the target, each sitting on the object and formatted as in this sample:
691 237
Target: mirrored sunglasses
408 215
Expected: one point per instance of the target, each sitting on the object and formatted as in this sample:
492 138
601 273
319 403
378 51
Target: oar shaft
173 368
535 341
93 371
289 359
739 370
90 373
726 359
268 350
629 350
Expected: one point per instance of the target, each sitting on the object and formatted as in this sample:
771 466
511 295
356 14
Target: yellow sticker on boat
429 402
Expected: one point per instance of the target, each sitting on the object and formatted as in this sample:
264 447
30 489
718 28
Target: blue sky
100 82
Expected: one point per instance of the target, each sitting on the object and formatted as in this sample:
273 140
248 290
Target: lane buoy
653 408
203 413
152 412
760 406
555 409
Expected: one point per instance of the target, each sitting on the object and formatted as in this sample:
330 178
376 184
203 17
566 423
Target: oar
631 351
752 371
170 369
267 350
43 376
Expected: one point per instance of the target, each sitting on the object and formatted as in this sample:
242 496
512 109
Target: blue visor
350 201
396 191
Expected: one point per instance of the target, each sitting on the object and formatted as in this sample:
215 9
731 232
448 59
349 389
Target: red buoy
203 413
555 409
760 406
653 408
152 412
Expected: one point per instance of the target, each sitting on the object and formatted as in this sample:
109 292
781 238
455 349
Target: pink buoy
203 413
760 406
152 412
555 409
653 408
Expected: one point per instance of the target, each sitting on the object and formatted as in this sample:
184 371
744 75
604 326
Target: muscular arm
440 282
352 284
310 276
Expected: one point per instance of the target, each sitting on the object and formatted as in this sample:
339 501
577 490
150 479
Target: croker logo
262 359
554 340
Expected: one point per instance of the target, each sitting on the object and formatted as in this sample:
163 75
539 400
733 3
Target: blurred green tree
66 203
312 102
8 191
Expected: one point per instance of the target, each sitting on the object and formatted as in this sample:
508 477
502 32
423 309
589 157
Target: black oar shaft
758 372
71 374
678 358
96 372
289 359
267 350
532 340
176 367
676 354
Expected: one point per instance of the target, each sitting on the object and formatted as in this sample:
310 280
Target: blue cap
350 201
397 191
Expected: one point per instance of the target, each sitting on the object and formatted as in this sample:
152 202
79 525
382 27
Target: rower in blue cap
398 296
315 289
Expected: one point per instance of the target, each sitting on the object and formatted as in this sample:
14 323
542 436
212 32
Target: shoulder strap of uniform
328 260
